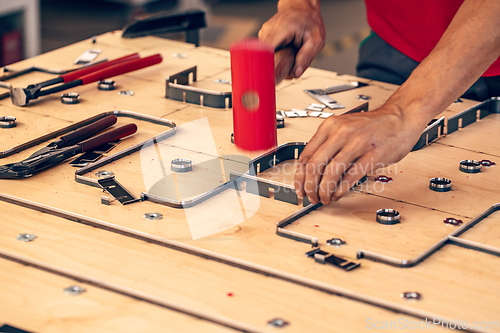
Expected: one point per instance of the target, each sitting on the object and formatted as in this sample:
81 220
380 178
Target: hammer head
19 97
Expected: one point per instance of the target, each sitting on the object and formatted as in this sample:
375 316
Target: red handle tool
71 76
107 137
121 68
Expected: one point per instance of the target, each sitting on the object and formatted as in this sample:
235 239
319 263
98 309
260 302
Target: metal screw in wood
153 216
104 173
74 290
411 295
26 237
277 322
126 93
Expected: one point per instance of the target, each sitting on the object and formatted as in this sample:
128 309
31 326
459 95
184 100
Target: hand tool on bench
12 73
79 135
21 96
68 77
53 156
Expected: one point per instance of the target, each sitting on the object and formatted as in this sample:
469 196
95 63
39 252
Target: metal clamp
323 257
113 187
177 88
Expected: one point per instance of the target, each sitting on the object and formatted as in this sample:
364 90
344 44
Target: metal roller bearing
388 216
181 165
70 98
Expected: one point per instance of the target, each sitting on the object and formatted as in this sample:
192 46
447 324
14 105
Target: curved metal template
232 184
281 231
287 151
450 239
284 152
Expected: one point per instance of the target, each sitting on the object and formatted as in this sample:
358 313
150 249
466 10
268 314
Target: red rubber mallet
254 95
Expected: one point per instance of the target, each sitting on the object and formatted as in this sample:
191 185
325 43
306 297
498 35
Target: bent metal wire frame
461 119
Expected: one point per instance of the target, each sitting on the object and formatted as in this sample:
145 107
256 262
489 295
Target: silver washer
179 55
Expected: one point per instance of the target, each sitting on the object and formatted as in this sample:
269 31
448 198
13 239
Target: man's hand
298 23
347 147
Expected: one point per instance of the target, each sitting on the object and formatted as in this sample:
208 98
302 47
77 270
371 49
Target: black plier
67 146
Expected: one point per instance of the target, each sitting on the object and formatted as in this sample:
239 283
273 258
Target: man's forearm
469 46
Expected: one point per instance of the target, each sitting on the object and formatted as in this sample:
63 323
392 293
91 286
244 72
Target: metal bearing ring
8 122
280 121
181 165
409 295
388 216
106 85
470 166
440 184
70 98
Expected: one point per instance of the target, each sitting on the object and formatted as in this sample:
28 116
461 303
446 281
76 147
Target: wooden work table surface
220 266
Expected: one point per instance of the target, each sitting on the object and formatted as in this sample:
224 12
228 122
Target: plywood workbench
145 275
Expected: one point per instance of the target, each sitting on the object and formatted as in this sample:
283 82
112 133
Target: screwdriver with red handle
21 96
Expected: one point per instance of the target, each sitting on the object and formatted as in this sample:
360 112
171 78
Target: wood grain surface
223 257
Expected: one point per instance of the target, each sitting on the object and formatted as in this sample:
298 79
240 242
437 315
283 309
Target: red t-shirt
415 27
